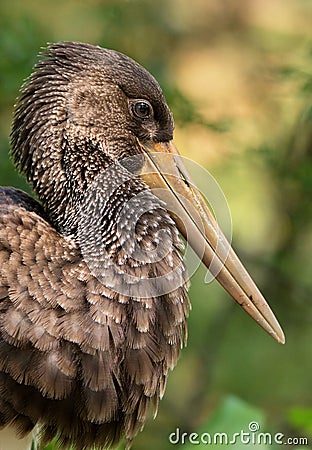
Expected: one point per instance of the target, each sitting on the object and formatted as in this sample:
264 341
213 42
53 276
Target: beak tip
280 337
275 330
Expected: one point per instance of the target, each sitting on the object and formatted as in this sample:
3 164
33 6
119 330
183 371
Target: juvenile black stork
93 289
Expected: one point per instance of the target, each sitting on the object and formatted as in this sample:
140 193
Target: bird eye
142 109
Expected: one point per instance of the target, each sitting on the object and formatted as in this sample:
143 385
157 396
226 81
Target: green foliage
301 418
231 416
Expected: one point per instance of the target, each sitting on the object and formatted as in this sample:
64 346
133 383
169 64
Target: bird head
87 94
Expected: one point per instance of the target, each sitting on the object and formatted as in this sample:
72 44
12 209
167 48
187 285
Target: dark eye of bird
142 109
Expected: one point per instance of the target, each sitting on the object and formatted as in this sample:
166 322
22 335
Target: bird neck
62 177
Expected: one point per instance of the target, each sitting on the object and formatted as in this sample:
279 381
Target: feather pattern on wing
72 357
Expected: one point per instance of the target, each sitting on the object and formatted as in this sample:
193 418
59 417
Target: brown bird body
75 356
85 345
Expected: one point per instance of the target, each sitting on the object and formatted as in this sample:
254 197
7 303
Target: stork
93 286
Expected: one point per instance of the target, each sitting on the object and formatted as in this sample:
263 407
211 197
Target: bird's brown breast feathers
72 355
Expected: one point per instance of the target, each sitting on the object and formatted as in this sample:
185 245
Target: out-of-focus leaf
301 418
231 418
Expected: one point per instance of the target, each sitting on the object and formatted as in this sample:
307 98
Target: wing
49 340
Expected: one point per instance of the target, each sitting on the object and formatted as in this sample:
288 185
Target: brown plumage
76 357
93 288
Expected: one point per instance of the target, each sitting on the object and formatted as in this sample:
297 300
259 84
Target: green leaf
232 416
301 418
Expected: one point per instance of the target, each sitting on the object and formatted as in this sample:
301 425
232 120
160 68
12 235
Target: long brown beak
165 172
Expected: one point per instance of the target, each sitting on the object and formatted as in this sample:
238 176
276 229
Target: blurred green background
238 77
